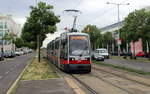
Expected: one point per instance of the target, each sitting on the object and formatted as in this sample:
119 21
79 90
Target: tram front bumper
80 67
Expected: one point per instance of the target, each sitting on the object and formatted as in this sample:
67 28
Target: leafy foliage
94 34
137 25
19 42
134 25
108 38
98 40
41 21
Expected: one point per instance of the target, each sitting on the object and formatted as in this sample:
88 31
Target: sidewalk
40 78
144 66
50 86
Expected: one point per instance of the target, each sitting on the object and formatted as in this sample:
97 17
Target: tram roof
73 33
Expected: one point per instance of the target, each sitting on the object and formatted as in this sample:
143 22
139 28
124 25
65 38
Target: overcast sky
95 12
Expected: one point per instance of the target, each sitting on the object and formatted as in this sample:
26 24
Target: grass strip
39 71
145 60
124 68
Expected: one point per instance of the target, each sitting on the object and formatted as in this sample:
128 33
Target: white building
112 28
8 25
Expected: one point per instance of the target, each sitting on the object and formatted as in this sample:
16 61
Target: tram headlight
88 59
71 59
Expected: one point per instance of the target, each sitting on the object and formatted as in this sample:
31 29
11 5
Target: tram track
63 75
92 91
110 83
112 73
113 84
96 76
85 85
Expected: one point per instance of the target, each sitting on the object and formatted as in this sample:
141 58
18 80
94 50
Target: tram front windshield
79 45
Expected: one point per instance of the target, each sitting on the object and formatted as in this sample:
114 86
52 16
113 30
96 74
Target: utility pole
36 2
118 6
2 49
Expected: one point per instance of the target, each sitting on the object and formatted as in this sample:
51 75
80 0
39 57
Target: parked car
1 56
25 51
9 53
21 53
17 53
140 54
102 52
30 50
98 57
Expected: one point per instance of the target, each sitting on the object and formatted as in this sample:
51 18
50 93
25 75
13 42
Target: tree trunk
38 47
113 48
134 57
127 47
149 51
107 47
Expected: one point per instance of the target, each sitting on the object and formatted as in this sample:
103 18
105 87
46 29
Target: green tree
95 35
19 42
108 39
41 21
134 26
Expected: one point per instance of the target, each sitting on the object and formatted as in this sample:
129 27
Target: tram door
64 51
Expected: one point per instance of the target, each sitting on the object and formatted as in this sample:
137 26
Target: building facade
113 29
8 25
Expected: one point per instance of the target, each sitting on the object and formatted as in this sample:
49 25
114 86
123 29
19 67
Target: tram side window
57 45
63 49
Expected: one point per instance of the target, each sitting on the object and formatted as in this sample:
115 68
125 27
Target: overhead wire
106 11
78 4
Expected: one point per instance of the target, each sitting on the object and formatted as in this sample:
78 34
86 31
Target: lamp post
118 6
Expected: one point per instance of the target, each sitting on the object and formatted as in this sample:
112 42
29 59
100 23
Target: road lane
129 64
11 69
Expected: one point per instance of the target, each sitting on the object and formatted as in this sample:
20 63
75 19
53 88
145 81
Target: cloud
91 5
19 20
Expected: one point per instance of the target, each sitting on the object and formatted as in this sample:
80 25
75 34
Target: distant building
7 25
114 27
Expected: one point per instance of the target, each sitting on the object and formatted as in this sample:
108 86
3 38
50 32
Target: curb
13 86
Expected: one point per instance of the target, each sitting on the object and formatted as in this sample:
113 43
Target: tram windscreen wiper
83 51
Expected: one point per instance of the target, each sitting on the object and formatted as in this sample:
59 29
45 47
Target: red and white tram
70 52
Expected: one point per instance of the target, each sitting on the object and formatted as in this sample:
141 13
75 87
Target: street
10 70
143 66
101 80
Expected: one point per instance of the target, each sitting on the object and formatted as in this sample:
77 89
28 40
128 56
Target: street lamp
118 5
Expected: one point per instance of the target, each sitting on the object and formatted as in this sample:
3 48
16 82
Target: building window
1 25
5 25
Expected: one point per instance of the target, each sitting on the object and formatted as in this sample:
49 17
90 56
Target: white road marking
1 77
6 72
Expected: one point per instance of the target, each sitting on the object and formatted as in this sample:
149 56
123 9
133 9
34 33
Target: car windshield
7 51
102 51
79 45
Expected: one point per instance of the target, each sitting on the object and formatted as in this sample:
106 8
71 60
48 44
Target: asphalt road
10 70
130 64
